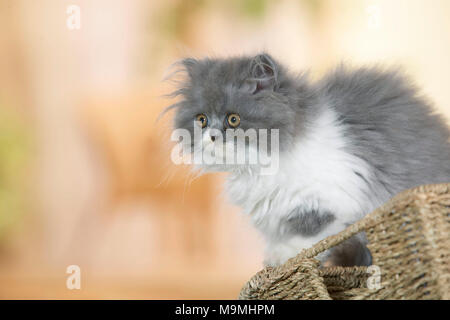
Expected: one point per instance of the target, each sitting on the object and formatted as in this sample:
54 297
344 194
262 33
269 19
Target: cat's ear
263 73
189 65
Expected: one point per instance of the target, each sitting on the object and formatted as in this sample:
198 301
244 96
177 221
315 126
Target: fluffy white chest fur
317 175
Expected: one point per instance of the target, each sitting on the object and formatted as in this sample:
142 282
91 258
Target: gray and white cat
347 143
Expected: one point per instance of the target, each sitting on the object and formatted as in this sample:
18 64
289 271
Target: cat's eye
233 120
202 120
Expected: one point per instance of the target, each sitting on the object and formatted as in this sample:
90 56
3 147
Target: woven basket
409 238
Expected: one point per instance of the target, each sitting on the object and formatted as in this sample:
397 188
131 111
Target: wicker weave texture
409 238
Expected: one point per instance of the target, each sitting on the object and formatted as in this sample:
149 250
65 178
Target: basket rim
417 193
420 193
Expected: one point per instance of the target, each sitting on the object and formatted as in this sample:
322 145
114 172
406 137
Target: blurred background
85 171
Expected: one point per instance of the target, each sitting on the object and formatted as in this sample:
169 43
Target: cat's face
246 97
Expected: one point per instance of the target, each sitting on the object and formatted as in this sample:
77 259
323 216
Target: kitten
347 144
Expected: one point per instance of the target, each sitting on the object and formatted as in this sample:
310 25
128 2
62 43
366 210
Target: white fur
317 173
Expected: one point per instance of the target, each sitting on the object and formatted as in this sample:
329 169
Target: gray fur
309 223
257 88
391 127
389 124
352 252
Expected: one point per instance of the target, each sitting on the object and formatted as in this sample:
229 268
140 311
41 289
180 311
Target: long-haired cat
347 143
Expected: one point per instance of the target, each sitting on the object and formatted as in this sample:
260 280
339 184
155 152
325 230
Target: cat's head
251 97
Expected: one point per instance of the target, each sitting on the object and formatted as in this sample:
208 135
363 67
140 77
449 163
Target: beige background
98 185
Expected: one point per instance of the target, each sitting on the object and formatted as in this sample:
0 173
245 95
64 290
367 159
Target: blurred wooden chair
135 149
